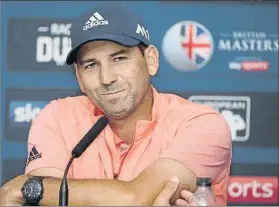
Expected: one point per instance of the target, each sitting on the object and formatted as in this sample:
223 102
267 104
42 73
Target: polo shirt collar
143 127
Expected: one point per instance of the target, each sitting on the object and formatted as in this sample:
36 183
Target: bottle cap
204 181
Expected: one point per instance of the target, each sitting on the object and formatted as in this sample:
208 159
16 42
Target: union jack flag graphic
197 42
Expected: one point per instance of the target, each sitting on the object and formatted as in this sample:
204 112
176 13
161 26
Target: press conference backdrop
224 54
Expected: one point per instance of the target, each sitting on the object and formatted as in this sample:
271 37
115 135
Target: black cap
204 181
107 21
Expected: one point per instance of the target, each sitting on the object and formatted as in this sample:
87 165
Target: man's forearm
142 190
90 192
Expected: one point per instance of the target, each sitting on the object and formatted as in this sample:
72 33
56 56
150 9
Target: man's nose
107 75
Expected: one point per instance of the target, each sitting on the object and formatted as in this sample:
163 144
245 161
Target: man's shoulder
74 108
178 106
185 113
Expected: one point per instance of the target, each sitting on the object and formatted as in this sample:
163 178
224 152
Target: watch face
32 190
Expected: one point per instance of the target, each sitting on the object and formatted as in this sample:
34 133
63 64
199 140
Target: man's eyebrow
120 52
81 62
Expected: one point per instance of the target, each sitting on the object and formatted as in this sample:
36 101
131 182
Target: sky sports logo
249 66
253 190
21 113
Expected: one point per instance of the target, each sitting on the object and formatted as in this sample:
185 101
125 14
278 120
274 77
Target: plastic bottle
203 195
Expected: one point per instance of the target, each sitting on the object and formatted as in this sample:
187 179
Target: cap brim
121 39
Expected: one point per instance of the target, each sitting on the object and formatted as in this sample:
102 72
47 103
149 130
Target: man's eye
90 66
117 59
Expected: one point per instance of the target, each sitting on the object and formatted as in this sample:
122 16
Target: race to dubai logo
42 44
53 43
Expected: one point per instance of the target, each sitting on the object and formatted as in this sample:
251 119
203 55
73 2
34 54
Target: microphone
77 152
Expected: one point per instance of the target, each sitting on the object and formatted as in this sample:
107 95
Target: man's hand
10 195
186 198
169 189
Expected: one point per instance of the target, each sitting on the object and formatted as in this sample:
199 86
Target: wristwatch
32 190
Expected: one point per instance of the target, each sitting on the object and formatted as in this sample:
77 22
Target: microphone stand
76 152
64 191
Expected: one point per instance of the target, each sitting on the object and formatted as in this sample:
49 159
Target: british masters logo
250 49
188 46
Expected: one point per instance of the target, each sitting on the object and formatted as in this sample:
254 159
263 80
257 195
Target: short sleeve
203 144
46 146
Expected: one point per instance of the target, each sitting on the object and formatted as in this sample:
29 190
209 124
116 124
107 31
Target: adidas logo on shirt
95 20
33 155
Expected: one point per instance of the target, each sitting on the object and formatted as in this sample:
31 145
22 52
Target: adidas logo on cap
95 20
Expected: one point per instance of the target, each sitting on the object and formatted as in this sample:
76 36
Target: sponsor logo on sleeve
33 155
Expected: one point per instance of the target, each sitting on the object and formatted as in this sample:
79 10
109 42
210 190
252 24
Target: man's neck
125 128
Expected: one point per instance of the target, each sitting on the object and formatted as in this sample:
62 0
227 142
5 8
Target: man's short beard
121 112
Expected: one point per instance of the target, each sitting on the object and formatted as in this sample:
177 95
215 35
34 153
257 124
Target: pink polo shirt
194 135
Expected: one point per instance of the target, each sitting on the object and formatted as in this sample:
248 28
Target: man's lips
112 92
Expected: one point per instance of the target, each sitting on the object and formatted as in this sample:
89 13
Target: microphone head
90 136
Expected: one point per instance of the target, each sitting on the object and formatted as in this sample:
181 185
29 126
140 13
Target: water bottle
203 195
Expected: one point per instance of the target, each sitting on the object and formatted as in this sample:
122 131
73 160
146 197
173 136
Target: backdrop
222 54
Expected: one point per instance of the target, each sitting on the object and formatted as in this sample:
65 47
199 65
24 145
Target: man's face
113 76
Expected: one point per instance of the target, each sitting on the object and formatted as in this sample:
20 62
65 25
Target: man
150 137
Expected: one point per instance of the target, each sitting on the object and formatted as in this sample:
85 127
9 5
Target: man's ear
151 55
78 78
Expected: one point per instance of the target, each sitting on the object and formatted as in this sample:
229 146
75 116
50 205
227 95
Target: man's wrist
16 193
